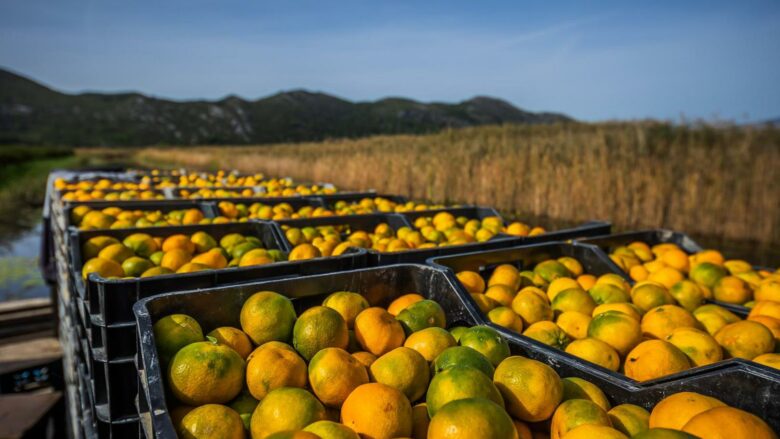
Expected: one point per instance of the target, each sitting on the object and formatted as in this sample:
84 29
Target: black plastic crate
750 378
112 299
221 306
652 237
115 389
368 222
383 284
208 209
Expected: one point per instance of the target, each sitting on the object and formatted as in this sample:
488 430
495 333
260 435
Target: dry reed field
715 181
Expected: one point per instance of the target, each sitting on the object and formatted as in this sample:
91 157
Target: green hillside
31 113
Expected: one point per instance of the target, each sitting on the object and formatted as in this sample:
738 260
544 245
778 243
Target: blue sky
592 60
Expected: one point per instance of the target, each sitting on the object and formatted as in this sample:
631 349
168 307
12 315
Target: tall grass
722 181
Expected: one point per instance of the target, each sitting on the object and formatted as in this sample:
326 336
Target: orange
629 419
257 256
487 341
141 244
711 256
700 347
768 290
484 303
771 323
621 331
116 252
233 338
714 317
304 251
659 322
268 316
403 302
502 294
707 274
365 358
638 273
212 421
173 332
531 389
588 431
136 266
648 295
179 241
595 351
505 317
212 258
430 342
334 374
319 327
575 412
688 294
331 430
191 267
421 315
156 271
378 331
460 382
106 268
578 388
403 369
626 308
420 421
274 365
522 429
531 307
548 333
731 289
746 339
175 259
561 284
472 418
572 264
614 279
676 259
550 270
507 275
94 245
666 276
586 281
653 359
766 308
472 281
204 373
462 356
771 360
676 410
728 423
608 293
283 409
378 411
573 299
348 304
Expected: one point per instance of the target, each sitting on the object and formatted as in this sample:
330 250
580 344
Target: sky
672 60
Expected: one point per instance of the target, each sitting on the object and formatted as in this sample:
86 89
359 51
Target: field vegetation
715 181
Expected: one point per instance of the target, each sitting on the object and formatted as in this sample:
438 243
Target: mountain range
32 113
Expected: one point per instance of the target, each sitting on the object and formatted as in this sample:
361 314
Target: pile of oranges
144 255
346 369
731 281
645 331
87 218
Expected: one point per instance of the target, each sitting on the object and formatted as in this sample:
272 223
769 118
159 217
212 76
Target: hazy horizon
610 60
